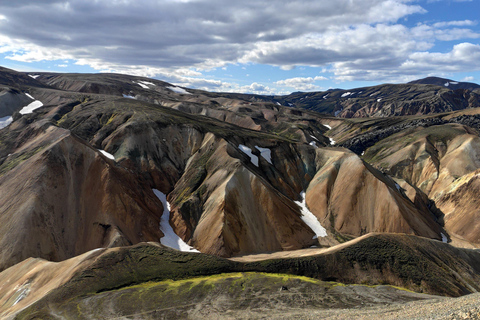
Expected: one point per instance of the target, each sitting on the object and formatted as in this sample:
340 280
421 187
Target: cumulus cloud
173 34
301 83
177 39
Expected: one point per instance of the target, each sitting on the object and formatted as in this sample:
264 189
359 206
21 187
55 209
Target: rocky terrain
368 192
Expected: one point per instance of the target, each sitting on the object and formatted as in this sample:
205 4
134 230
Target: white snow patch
279 104
447 84
31 107
309 218
34 76
170 239
326 125
453 82
379 99
106 154
178 90
325 97
144 86
313 143
248 152
28 95
147 83
265 153
5 121
128 96
332 142
346 94
313 137
363 152
444 237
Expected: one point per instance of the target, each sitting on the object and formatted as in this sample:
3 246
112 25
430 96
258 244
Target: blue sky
254 46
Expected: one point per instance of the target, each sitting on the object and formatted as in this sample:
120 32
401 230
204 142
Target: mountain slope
141 271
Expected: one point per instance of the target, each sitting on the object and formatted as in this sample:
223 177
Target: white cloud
468 79
461 23
177 40
301 83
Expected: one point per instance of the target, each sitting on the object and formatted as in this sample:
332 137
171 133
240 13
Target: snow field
170 239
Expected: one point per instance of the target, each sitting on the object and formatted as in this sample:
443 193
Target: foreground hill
157 282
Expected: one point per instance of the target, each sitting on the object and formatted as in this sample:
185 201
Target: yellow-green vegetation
15 159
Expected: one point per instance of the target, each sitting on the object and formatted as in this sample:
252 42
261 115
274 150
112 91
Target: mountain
454 85
91 161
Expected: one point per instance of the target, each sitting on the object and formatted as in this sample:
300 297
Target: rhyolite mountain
93 161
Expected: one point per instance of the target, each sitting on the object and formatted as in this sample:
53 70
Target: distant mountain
447 83
385 100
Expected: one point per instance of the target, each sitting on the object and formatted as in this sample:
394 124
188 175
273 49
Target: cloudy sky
255 46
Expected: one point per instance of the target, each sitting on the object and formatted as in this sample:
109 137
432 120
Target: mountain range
101 175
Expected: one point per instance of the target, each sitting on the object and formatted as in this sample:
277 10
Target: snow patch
379 99
170 239
326 125
5 121
453 82
178 90
128 96
309 218
325 97
444 238
346 94
313 137
106 154
332 142
279 104
29 96
313 144
143 85
338 112
363 152
265 153
248 152
31 107
34 76
147 83
447 84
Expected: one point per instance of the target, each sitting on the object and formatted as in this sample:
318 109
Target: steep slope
61 197
440 160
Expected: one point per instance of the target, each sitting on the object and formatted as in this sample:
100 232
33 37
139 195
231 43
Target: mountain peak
447 83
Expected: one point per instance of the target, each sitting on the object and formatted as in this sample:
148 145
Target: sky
250 46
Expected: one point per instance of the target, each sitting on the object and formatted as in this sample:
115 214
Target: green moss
17 158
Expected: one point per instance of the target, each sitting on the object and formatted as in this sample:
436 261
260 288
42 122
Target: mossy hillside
92 116
230 291
15 159
418 264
